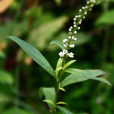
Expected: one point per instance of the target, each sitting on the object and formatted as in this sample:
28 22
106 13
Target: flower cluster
73 29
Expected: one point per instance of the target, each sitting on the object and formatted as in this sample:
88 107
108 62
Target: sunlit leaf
69 63
41 35
50 95
48 101
62 89
58 69
106 18
63 110
34 54
61 102
60 44
5 77
78 75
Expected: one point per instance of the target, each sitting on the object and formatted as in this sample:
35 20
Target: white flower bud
79 16
78 28
75 39
88 2
69 29
74 22
83 17
71 45
64 40
91 5
75 32
74 19
75 26
76 16
69 37
80 10
86 7
80 22
85 13
83 7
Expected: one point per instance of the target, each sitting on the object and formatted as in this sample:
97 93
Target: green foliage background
39 23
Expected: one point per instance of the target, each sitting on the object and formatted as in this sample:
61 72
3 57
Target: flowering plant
76 75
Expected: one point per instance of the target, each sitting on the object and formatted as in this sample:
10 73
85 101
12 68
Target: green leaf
49 101
63 110
69 63
34 54
50 95
58 43
61 102
58 69
59 64
14 111
106 18
62 89
5 77
78 75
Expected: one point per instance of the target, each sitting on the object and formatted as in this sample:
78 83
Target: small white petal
70 54
78 28
71 45
61 54
65 51
64 40
75 26
69 37
74 19
75 32
75 38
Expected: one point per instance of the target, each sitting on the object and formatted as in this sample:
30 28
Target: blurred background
38 22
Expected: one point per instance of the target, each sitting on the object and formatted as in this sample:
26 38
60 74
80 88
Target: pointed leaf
78 75
50 95
62 89
63 110
58 43
69 63
34 54
48 101
58 69
59 63
97 72
61 102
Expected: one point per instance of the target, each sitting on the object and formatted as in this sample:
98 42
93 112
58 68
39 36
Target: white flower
83 17
75 26
83 7
71 45
86 7
69 37
85 13
79 16
74 19
76 16
72 37
65 51
70 29
61 54
80 10
90 9
78 28
80 22
75 39
71 54
88 2
74 22
75 32
64 40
